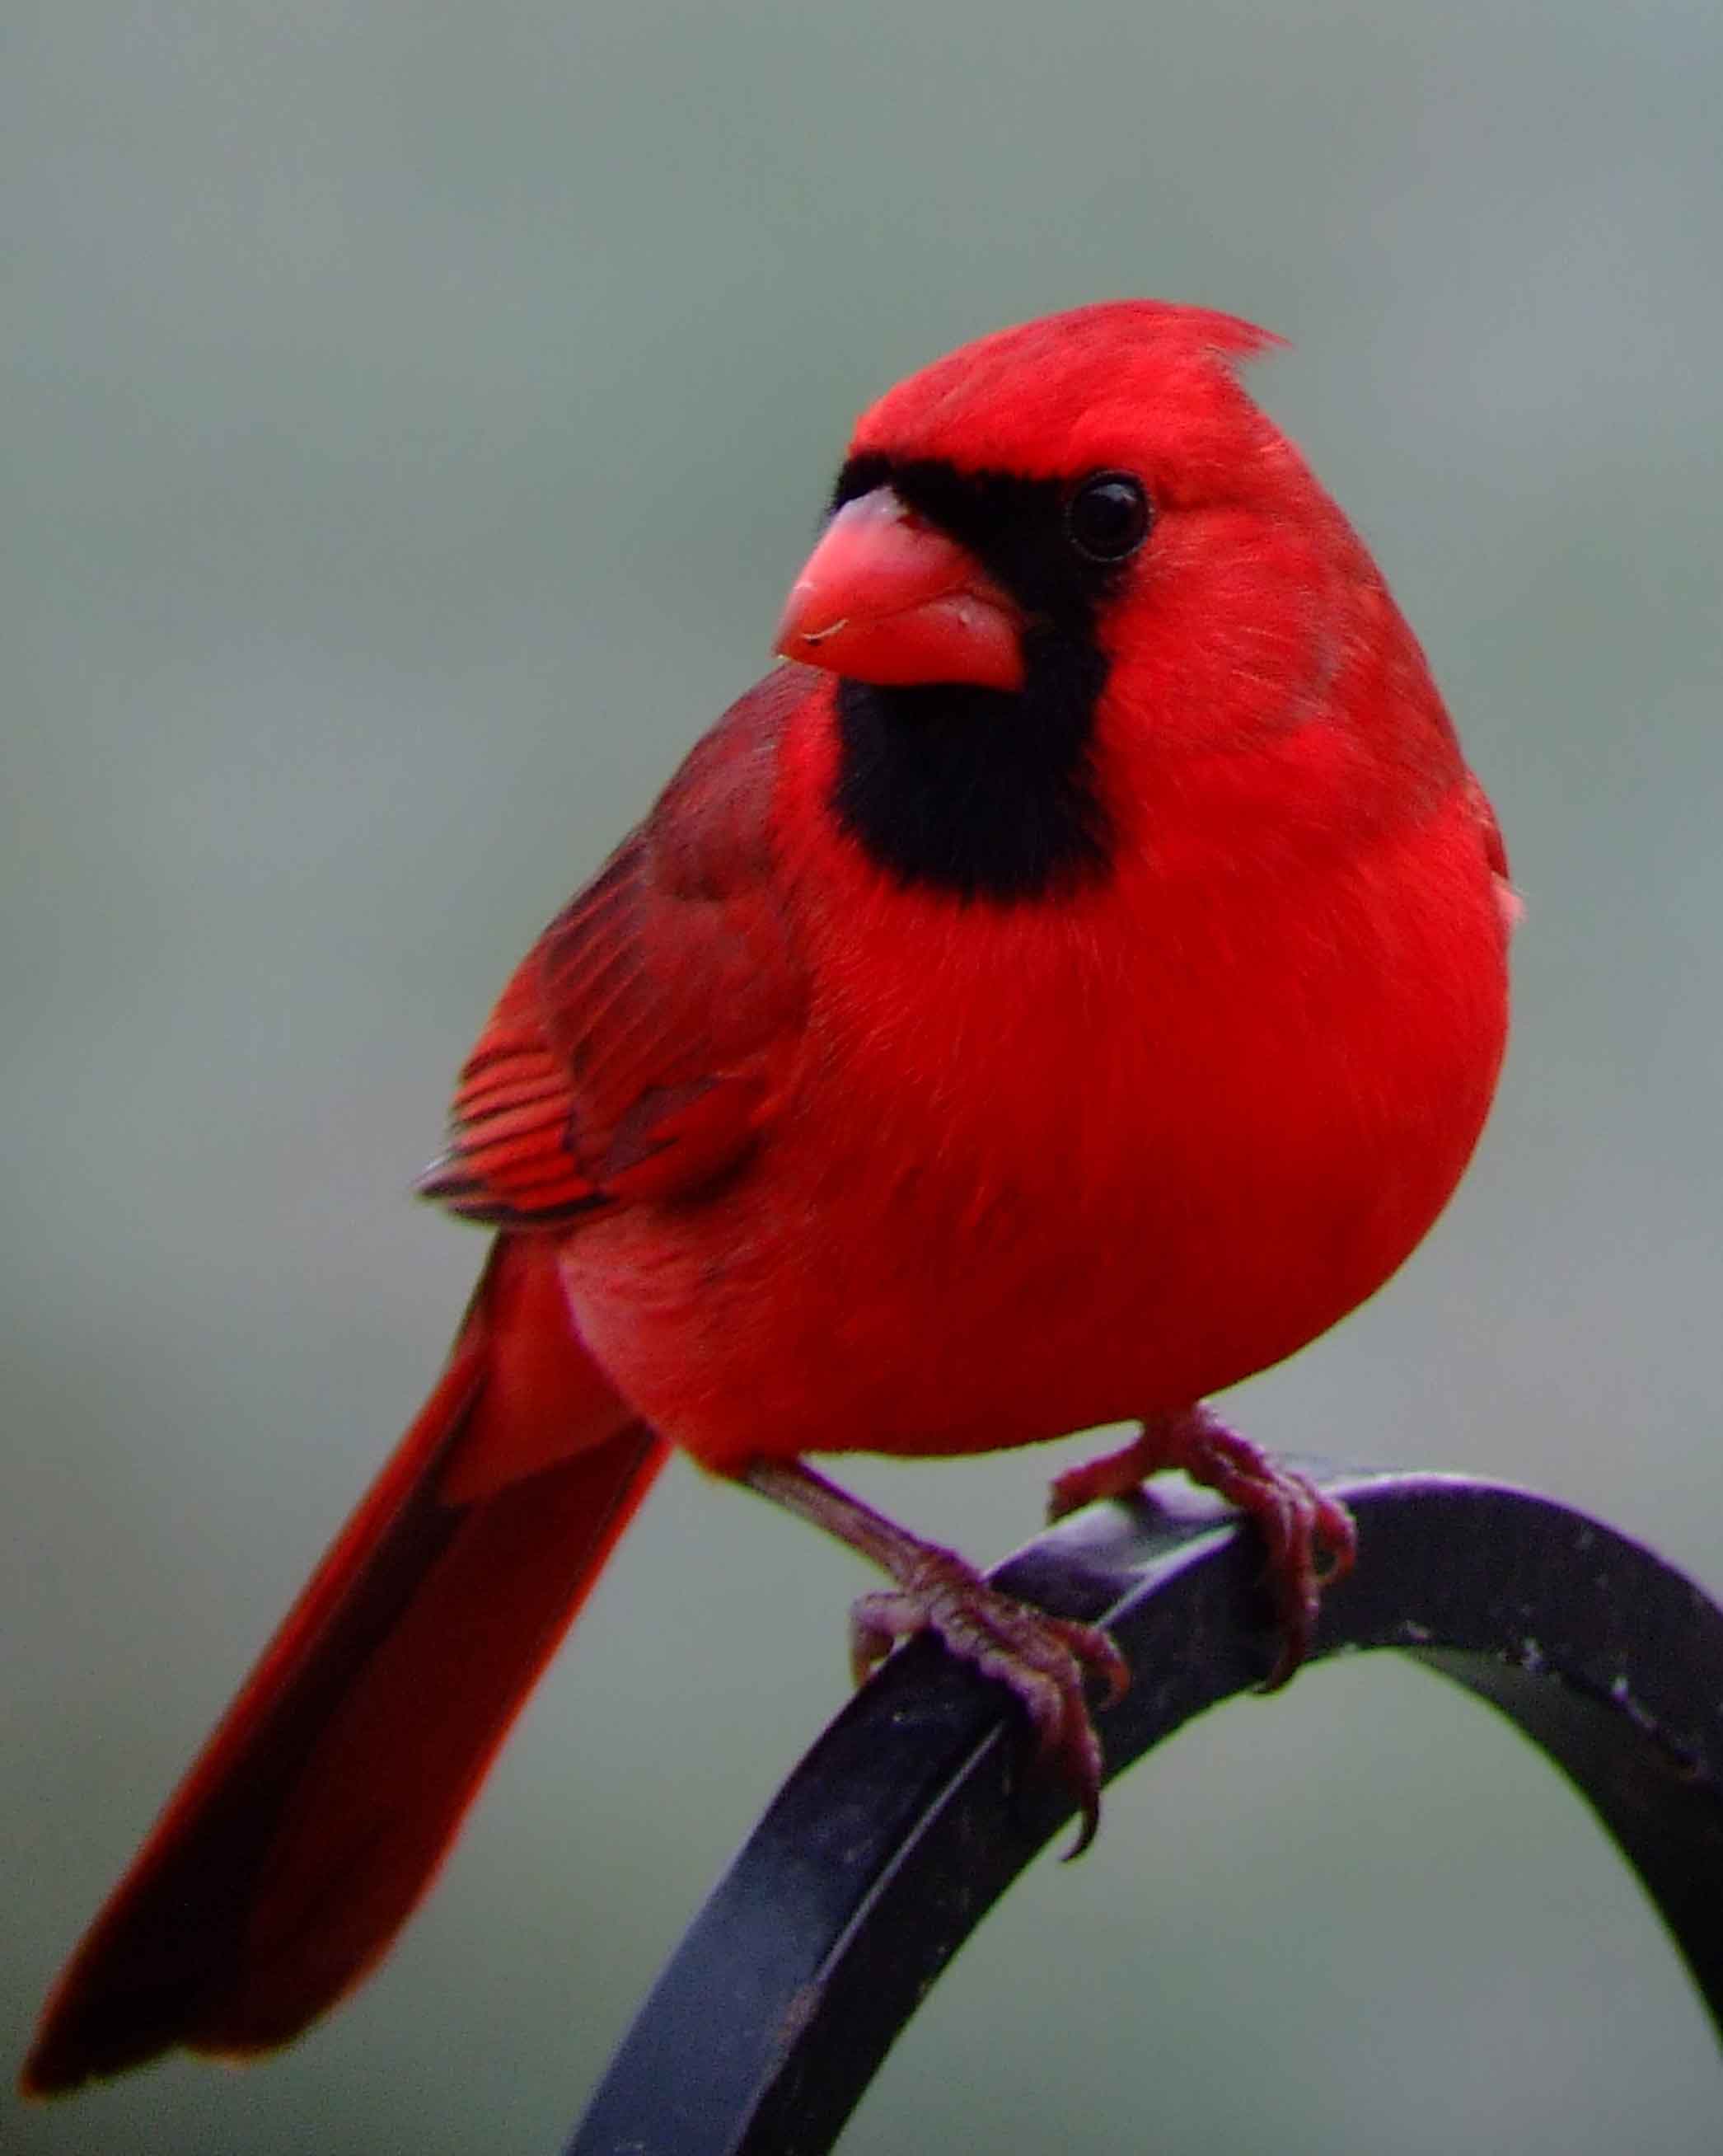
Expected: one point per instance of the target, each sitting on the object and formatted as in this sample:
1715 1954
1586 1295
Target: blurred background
412 414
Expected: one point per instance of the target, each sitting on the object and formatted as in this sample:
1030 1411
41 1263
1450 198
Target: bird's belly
946 1300
855 1325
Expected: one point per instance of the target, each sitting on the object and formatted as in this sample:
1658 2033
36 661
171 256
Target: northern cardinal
1072 983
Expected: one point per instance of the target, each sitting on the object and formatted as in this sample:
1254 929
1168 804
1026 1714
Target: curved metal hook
908 1818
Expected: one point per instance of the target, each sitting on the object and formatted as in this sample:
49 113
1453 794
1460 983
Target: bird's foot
1041 1660
1311 1538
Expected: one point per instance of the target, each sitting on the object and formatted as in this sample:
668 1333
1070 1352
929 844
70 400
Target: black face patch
989 794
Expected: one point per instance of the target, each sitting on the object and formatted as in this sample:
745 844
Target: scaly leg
1041 1660
1311 1538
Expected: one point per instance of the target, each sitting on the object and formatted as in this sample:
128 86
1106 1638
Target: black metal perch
910 1816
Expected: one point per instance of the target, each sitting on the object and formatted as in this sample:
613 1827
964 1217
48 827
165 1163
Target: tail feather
319 1810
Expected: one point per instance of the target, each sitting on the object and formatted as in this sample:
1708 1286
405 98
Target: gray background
413 414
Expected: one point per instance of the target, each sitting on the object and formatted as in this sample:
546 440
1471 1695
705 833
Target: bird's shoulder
640 1046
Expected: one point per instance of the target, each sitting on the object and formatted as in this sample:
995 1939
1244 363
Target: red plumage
1074 991
326 1799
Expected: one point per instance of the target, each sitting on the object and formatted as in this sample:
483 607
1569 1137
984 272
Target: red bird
1071 984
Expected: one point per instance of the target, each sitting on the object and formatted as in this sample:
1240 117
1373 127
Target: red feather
323 1803
641 1043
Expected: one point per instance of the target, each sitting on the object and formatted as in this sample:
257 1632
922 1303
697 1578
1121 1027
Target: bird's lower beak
887 598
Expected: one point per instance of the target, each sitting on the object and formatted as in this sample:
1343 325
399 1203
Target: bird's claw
1312 1541
1043 1661
1311 1538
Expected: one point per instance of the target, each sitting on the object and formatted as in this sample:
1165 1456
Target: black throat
987 794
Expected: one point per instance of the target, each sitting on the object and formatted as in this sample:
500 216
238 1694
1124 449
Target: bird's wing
641 1047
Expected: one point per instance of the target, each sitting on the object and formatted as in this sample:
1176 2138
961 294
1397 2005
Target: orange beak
885 598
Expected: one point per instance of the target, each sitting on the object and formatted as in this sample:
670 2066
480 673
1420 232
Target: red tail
320 1810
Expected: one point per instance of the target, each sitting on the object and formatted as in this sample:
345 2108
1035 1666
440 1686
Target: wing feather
641 1047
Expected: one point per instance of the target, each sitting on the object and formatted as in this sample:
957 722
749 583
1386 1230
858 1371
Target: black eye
1108 516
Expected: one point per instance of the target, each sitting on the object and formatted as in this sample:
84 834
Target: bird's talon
1043 1661
1311 1538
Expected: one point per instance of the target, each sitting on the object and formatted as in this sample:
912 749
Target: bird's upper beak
887 598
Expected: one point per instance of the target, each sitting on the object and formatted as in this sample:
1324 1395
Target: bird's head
1058 562
1009 492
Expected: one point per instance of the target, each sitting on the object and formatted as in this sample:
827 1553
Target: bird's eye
1108 516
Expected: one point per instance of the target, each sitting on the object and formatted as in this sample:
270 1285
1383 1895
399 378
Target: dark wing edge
642 1045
